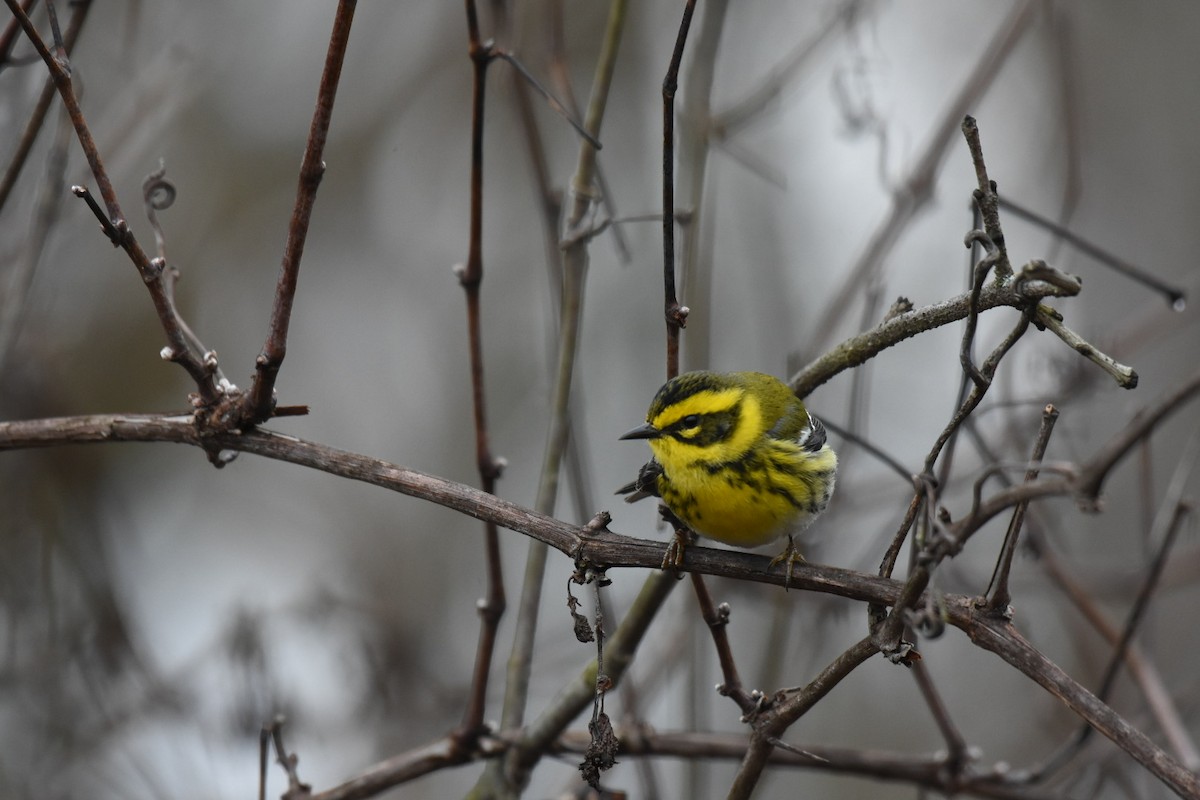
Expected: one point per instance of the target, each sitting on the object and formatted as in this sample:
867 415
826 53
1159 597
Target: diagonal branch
259 401
1032 284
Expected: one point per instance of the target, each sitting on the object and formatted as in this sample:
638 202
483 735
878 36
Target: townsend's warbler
737 458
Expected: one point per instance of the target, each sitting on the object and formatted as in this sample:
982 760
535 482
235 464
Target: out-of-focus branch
915 190
258 402
758 100
504 778
38 117
13 305
1175 296
8 36
113 219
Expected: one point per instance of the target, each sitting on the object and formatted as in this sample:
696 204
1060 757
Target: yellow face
711 425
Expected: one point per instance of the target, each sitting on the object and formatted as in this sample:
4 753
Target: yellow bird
737 458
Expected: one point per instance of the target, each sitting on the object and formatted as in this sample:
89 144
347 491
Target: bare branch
260 399
675 314
1017 293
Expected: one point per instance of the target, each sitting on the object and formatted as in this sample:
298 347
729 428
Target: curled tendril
157 191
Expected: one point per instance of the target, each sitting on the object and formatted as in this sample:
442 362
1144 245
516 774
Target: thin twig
695 269
675 314
1051 319
492 606
55 30
889 461
1175 296
38 116
258 402
717 619
986 198
789 706
553 101
888 633
997 596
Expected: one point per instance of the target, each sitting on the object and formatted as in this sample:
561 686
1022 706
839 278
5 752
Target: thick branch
608 550
1016 293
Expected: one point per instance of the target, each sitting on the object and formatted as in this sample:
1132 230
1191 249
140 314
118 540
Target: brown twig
297 789
788 706
888 634
928 771
1174 296
986 198
717 618
553 101
491 607
997 596
259 400
1020 293
675 314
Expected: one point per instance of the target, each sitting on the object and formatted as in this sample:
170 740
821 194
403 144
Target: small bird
737 458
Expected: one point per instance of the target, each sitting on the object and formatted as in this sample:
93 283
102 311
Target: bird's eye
691 421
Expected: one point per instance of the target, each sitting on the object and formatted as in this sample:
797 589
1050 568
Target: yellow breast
776 488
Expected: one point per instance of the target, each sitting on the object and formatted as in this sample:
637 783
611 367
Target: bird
736 458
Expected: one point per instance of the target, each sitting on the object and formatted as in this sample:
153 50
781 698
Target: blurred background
157 612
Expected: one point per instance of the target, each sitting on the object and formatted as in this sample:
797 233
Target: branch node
597 524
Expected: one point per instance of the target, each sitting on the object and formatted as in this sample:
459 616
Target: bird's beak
646 431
